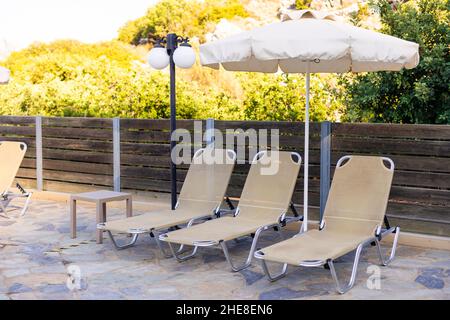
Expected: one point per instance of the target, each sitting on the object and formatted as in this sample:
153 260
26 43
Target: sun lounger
352 219
200 197
263 204
11 156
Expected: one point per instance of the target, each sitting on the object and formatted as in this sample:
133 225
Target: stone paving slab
37 255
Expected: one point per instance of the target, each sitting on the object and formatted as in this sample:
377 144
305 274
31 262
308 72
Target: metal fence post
39 175
325 164
210 132
116 154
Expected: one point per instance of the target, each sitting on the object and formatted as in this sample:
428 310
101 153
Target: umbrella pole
306 161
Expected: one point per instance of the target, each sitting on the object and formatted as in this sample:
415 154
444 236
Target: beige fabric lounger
263 204
11 157
201 196
353 217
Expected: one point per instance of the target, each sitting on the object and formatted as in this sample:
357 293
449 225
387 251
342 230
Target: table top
101 196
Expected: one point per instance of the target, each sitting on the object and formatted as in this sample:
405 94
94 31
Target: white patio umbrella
307 41
4 75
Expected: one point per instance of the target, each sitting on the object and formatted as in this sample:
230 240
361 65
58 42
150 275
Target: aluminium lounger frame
6 197
154 233
329 263
282 221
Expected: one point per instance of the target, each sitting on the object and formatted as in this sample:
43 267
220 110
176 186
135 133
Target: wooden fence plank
422 179
74 166
418 212
77 155
390 130
71 187
391 146
296 128
411 163
420 195
84 178
81 133
423 227
147 136
155 124
77 122
17 130
145 148
77 144
19 120
147 184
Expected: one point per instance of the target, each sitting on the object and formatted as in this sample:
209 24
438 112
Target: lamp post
172 50
4 75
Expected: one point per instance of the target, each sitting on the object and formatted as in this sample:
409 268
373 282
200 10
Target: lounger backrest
208 176
269 185
359 195
11 156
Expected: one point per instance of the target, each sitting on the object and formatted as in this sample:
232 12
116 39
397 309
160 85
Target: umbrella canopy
307 41
307 35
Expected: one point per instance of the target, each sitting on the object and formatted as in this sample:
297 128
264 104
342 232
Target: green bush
283 97
419 95
68 78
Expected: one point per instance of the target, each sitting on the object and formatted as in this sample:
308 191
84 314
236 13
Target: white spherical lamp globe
158 58
4 75
184 56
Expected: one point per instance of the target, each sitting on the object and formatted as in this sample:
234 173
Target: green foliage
62 59
357 17
184 17
283 97
302 4
67 78
419 95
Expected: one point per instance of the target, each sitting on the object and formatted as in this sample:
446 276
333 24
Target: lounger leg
250 255
25 206
347 287
123 246
3 205
160 246
277 276
384 261
178 256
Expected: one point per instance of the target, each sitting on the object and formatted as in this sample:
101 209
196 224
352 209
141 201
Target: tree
419 95
188 18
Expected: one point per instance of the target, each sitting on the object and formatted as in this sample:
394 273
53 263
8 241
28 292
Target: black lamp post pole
172 44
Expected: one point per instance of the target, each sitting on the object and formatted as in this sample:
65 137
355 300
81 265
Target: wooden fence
79 154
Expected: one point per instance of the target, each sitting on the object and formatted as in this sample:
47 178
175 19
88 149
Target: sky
23 22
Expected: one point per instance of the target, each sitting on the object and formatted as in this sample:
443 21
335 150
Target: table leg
104 212
129 207
99 214
73 218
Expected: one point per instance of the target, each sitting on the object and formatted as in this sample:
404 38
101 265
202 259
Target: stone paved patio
36 254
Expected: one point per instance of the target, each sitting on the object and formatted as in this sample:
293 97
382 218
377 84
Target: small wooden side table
100 198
